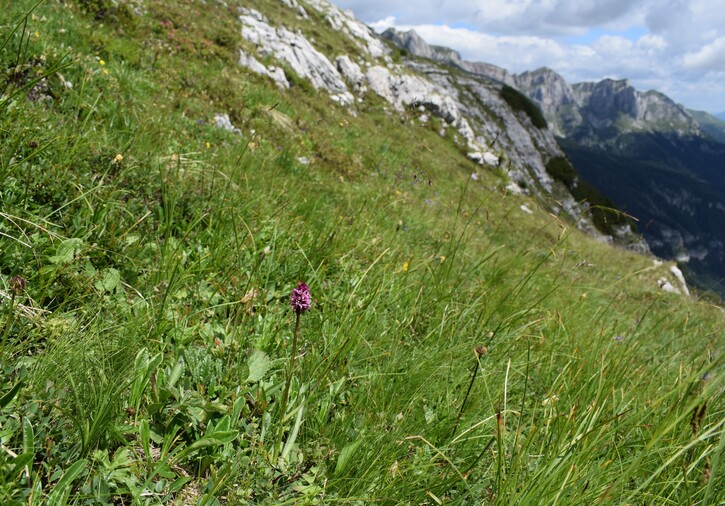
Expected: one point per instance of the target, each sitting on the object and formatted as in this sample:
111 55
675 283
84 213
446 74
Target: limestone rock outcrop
468 101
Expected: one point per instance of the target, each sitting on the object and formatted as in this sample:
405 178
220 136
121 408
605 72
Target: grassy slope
153 336
693 167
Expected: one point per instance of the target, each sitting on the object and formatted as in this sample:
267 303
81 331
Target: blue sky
673 46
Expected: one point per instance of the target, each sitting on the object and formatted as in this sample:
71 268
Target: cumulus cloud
709 57
675 46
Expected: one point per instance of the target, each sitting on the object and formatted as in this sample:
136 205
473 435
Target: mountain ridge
650 110
643 136
712 125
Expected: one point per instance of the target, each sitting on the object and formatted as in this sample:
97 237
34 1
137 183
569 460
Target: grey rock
274 73
345 21
351 72
416 46
487 158
253 13
554 96
223 121
411 42
569 107
294 5
585 108
296 51
403 90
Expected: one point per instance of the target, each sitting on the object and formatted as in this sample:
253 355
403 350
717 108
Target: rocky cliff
465 98
580 109
586 110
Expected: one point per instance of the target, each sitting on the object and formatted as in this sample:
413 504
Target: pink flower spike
300 300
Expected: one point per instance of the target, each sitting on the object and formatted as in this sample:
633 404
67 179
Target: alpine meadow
252 253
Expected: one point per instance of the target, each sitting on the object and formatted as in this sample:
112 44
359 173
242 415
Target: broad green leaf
155 361
141 360
176 372
8 397
28 436
67 251
59 494
223 436
238 407
178 484
215 439
345 459
143 368
165 471
145 433
110 281
258 364
20 462
223 424
72 473
295 432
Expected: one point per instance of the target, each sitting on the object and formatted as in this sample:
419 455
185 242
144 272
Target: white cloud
711 56
383 24
675 46
652 43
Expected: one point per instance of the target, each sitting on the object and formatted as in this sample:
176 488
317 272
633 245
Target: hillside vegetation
463 345
674 186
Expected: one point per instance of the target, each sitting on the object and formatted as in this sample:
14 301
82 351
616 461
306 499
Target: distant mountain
710 124
674 186
414 44
657 161
720 116
592 113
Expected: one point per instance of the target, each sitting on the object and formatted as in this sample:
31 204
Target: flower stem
6 329
465 399
285 395
478 351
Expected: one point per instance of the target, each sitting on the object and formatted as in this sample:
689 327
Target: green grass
146 357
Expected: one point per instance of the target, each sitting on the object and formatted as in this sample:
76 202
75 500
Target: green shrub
520 102
604 211
562 170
